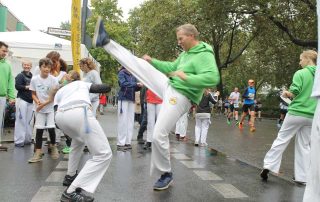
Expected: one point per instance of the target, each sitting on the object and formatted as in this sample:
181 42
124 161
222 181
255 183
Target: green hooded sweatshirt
199 64
302 83
7 88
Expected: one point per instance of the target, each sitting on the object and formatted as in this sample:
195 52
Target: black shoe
264 174
196 145
178 136
121 148
101 37
128 146
76 196
147 146
69 179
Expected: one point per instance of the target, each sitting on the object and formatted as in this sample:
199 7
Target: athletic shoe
237 122
264 174
298 182
252 129
67 181
54 152
19 145
147 145
37 156
228 122
240 126
121 148
101 37
163 182
128 146
178 136
66 150
76 196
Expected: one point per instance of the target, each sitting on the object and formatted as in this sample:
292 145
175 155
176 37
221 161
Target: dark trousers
143 124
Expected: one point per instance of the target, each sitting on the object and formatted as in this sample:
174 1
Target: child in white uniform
40 86
74 106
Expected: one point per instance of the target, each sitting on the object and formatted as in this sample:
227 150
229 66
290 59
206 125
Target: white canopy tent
34 45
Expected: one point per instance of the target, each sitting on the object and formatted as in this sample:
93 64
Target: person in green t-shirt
194 70
6 85
298 121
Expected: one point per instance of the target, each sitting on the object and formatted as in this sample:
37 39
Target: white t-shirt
94 78
235 96
59 77
42 87
76 92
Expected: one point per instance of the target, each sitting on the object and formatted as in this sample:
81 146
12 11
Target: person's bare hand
140 84
287 94
147 58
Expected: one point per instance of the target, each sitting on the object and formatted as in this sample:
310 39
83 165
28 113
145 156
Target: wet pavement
200 173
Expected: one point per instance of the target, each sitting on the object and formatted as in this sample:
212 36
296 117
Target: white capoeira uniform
22 128
201 128
125 122
182 125
292 125
173 107
312 191
2 111
74 106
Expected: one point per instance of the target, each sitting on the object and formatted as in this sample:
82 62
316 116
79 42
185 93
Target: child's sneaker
240 126
252 129
66 150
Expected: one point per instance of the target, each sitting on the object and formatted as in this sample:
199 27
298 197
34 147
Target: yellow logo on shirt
173 100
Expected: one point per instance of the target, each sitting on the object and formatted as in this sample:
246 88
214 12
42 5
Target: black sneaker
121 148
128 146
85 149
69 179
147 146
76 196
264 174
101 37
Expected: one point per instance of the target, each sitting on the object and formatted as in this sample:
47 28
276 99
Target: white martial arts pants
312 191
153 112
201 128
292 125
22 128
182 125
95 105
87 131
173 107
2 111
125 122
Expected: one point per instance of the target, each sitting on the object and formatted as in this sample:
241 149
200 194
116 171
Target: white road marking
192 164
48 194
56 176
228 191
62 164
180 156
207 175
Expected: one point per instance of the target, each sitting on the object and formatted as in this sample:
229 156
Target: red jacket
153 98
103 99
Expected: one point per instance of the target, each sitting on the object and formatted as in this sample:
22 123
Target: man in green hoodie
6 85
297 122
194 70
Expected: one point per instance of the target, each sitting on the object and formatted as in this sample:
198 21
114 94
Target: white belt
66 108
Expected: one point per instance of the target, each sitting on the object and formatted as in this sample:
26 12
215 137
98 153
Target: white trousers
173 107
292 125
153 112
2 111
312 191
201 128
22 127
87 131
95 105
182 125
125 122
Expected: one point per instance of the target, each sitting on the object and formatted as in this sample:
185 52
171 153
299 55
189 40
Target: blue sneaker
164 182
101 37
